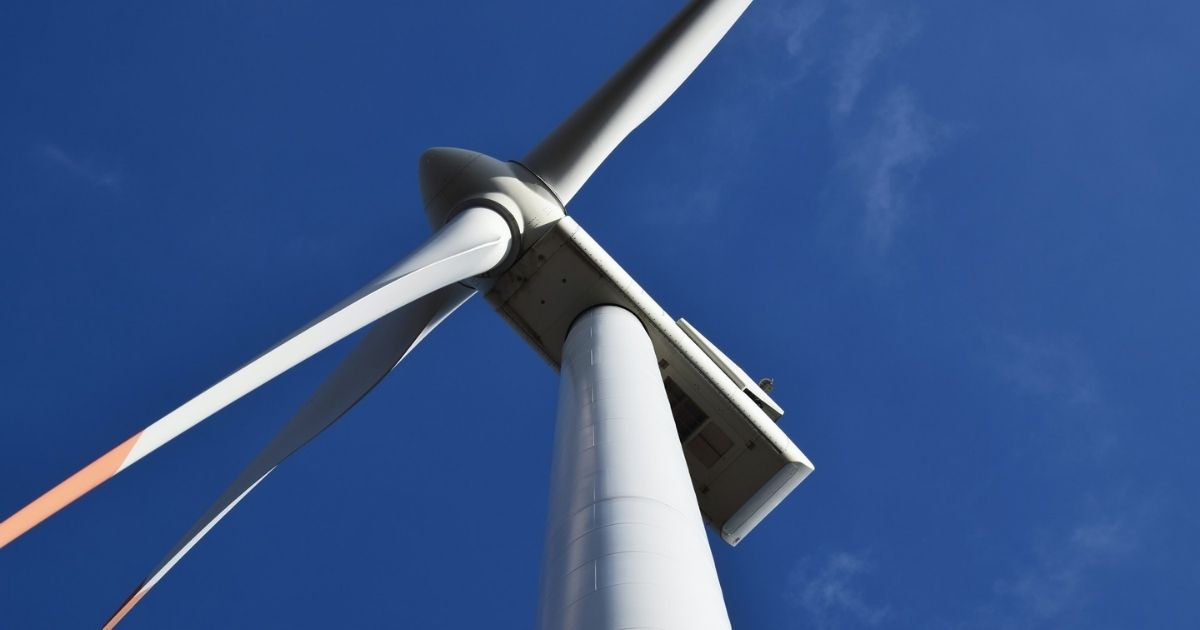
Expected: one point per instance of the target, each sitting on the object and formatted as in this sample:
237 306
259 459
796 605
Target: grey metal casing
625 542
742 465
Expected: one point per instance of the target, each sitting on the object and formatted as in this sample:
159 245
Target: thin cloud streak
1048 368
870 35
83 169
795 28
888 160
883 139
1056 374
802 18
1054 585
829 594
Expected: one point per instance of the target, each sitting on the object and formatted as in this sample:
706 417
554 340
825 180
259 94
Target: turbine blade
575 149
386 343
472 243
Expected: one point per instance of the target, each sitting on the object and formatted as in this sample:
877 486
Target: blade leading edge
470 244
386 343
566 158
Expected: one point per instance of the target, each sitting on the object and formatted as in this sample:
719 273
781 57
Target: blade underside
472 243
386 343
567 157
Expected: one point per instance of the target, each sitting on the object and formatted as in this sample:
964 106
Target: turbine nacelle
501 228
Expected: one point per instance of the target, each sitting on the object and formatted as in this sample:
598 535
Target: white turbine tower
657 431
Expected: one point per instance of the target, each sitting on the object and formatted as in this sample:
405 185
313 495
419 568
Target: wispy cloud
871 32
886 149
684 207
1060 385
799 21
886 163
1055 583
883 137
827 591
793 26
1051 368
1057 579
85 169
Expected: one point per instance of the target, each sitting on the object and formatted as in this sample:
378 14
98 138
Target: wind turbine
625 545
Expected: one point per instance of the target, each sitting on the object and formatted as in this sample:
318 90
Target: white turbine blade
387 342
575 149
472 243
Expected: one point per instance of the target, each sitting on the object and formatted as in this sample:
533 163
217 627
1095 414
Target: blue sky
960 236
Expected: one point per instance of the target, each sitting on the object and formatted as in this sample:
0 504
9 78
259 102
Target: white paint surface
625 542
567 157
472 243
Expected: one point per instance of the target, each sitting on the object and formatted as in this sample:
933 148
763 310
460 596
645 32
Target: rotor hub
455 179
